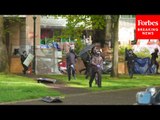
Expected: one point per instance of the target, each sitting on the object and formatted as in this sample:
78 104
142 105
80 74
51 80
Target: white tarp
28 60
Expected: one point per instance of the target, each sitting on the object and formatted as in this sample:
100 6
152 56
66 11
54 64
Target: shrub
144 52
78 46
121 51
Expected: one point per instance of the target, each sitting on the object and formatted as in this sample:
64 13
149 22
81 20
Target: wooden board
16 66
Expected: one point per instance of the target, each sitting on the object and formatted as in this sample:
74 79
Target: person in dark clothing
86 61
71 59
23 57
153 59
88 65
154 56
91 54
130 58
96 68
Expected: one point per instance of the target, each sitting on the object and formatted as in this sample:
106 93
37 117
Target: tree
4 65
99 31
115 24
4 52
77 24
97 23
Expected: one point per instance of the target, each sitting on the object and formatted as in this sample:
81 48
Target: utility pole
34 44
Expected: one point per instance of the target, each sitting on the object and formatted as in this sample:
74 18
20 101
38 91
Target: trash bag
49 99
46 80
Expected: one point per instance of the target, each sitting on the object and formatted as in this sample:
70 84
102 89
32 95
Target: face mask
98 53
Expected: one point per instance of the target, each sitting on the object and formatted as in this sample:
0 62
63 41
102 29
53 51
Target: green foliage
121 51
98 22
72 33
78 46
76 24
57 36
8 21
13 19
144 52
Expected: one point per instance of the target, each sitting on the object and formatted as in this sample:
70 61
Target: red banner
147 26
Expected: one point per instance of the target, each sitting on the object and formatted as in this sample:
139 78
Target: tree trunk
4 67
115 24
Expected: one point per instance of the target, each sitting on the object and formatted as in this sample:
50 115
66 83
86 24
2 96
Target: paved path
120 97
78 96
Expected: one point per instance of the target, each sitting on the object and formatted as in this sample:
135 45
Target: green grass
108 83
15 88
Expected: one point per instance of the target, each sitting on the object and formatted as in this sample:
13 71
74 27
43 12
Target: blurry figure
130 58
96 68
16 52
87 63
153 59
66 47
72 46
23 57
71 59
92 53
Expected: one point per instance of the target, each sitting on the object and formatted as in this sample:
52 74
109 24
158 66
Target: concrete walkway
119 97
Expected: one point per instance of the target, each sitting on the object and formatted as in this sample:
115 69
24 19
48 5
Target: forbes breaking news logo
147 26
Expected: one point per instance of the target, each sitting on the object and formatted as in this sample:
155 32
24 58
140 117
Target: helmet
130 51
156 50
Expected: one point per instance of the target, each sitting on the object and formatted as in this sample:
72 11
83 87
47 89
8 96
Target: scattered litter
49 99
46 80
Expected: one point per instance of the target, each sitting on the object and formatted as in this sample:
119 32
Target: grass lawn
108 83
14 88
